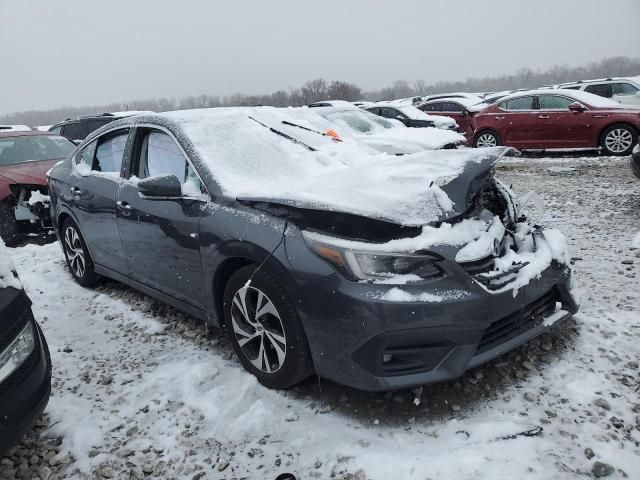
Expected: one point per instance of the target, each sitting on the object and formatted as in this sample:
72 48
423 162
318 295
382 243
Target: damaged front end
31 206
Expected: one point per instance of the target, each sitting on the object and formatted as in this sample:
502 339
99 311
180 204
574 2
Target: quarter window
85 156
56 130
601 89
623 89
553 102
110 153
522 103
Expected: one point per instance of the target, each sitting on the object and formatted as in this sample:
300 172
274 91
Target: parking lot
142 390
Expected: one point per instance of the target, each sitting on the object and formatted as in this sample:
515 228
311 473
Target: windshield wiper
337 139
282 134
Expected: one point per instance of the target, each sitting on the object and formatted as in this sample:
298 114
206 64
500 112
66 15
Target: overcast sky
81 52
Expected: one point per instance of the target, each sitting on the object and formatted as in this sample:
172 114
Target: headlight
363 265
17 352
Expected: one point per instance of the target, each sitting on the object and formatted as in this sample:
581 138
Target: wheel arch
482 130
614 124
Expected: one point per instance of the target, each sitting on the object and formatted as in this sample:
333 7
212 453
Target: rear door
459 113
94 184
516 121
161 235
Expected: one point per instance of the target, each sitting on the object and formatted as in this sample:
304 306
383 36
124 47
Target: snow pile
7 275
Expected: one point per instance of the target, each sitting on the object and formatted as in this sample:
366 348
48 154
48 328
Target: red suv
554 119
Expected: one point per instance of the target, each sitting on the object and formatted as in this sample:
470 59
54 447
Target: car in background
25 157
460 109
635 160
410 116
558 120
314 253
624 90
388 135
25 364
14 128
76 129
332 103
472 97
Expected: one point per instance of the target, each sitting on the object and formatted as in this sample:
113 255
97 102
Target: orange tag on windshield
333 134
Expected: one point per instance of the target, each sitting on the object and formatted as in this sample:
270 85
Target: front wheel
486 138
264 328
77 255
618 140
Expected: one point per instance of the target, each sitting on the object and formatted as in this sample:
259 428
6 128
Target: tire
77 255
618 139
8 225
483 139
274 346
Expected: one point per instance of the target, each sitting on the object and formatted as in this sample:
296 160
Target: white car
15 128
624 90
388 135
411 116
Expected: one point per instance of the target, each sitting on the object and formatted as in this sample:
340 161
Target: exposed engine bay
32 205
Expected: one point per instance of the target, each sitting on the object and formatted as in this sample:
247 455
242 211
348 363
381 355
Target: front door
561 128
94 186
161 235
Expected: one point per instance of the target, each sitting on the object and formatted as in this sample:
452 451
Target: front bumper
635 161
360 340
25 393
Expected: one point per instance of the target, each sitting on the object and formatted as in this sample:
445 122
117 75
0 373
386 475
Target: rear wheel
618 139
486 138
264 328
8 225
77 255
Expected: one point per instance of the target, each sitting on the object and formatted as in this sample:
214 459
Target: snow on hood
7 275
248 161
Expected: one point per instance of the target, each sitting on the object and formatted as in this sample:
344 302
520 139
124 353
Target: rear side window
522 103
623 89
601 89
553 102
72 131
96 123
452 107
110 152
392 113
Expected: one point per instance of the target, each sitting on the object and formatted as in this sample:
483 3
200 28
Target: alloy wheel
486 140
618 140
75 251
258 329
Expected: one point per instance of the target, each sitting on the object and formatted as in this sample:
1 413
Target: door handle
499 118
543 116
75 191
123 205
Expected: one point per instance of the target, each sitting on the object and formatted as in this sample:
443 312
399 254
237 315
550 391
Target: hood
413 190
412 140
34 173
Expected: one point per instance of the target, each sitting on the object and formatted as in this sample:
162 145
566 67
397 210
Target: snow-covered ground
143 390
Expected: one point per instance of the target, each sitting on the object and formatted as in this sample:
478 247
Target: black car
25 366
314 252
635 160
78 128
390 111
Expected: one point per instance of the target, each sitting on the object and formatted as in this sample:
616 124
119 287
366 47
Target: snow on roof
131 113
468 103
15 128
467 95
578 95
635 79
249 161
7 276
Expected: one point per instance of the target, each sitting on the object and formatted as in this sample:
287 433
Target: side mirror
576 107
165 186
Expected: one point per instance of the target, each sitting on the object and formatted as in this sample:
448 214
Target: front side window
623 89
554 102
600 89
522 103
110 152
392 113
161 155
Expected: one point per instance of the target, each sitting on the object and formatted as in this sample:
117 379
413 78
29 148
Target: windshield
32 148
360 121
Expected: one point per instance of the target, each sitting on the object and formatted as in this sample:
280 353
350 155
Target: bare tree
314 90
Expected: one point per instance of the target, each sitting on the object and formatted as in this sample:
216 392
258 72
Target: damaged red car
25 158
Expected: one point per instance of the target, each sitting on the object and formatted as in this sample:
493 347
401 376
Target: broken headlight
358 264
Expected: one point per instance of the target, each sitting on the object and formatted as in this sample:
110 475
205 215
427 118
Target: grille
519 322
480 271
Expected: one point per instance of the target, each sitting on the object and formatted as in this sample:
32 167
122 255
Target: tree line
321 89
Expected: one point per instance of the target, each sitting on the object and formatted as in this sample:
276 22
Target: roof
595 80
116 115
468 103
